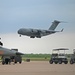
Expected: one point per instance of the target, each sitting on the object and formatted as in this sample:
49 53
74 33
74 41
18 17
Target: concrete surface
37 68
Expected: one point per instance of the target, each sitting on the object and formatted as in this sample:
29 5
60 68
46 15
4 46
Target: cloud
42 45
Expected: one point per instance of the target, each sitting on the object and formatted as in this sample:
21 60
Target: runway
37 68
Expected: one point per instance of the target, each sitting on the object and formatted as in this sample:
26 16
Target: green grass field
39 57
36 57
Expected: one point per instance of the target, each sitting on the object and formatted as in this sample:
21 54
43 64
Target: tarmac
37 68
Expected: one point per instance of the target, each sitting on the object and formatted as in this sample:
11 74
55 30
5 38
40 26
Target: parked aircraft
9 54
32 33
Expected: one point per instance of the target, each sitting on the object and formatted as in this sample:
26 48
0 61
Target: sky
38 14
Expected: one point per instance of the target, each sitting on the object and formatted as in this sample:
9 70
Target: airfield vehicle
16 58
58 57
72 60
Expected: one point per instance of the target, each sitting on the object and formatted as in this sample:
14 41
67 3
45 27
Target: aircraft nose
19 53
19 31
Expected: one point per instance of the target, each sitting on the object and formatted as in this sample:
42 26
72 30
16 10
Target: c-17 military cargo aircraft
39 32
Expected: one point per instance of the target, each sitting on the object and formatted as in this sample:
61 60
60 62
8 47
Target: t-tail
54 25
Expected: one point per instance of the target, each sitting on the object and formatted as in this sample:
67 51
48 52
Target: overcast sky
39 14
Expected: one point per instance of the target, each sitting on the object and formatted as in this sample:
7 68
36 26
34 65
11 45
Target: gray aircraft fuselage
8 52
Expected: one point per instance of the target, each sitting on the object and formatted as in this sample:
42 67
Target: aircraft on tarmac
39 32
8 55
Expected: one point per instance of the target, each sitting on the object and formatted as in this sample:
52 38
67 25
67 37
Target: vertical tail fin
54 25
